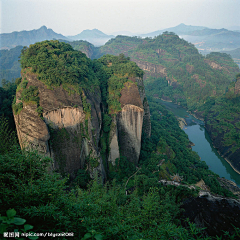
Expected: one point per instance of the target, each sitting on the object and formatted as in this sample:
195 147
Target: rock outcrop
64 132
128 124
152 69
61 117
215 214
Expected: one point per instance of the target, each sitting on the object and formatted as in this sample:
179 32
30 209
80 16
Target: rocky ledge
214 213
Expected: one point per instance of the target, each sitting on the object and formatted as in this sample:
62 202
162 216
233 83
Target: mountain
208 40
25 38
180 29
205 39
94 36
92 118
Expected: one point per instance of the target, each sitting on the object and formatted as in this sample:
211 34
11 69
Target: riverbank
182 123
229 163
198 134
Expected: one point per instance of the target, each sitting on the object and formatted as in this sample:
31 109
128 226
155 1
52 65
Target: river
198 135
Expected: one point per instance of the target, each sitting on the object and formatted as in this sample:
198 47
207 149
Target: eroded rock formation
128 124
64 132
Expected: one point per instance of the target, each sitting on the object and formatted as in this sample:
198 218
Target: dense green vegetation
119 70
222 117
169 142
187 72
56 63
196 82
186 69
7 94
9 65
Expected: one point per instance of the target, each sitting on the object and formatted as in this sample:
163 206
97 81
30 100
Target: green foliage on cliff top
81 45
121 65
118 70
56 63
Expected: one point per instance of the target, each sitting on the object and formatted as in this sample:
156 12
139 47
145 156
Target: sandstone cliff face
127 126
152 68
64 132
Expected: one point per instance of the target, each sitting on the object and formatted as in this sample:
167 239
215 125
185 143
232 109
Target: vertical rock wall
127 126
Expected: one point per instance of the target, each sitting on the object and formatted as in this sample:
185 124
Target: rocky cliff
61 115
130 122
64 132
128 108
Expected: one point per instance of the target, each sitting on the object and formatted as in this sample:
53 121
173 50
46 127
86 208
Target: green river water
198 135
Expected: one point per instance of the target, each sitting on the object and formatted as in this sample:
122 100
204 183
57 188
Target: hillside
9 65
222 116
59 105
235 54
25 38
190 76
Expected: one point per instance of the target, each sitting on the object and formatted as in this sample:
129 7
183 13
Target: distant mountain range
205 39
181 29
25 38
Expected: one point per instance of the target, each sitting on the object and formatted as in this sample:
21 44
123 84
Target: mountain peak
43 27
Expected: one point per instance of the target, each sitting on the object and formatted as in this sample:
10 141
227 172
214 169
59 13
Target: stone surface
129 124
216 214
73 138
152 68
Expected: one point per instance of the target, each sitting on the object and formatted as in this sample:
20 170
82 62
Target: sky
70 17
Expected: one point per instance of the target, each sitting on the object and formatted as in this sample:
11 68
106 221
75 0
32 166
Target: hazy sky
70 17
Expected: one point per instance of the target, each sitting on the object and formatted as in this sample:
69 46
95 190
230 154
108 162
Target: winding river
199 136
